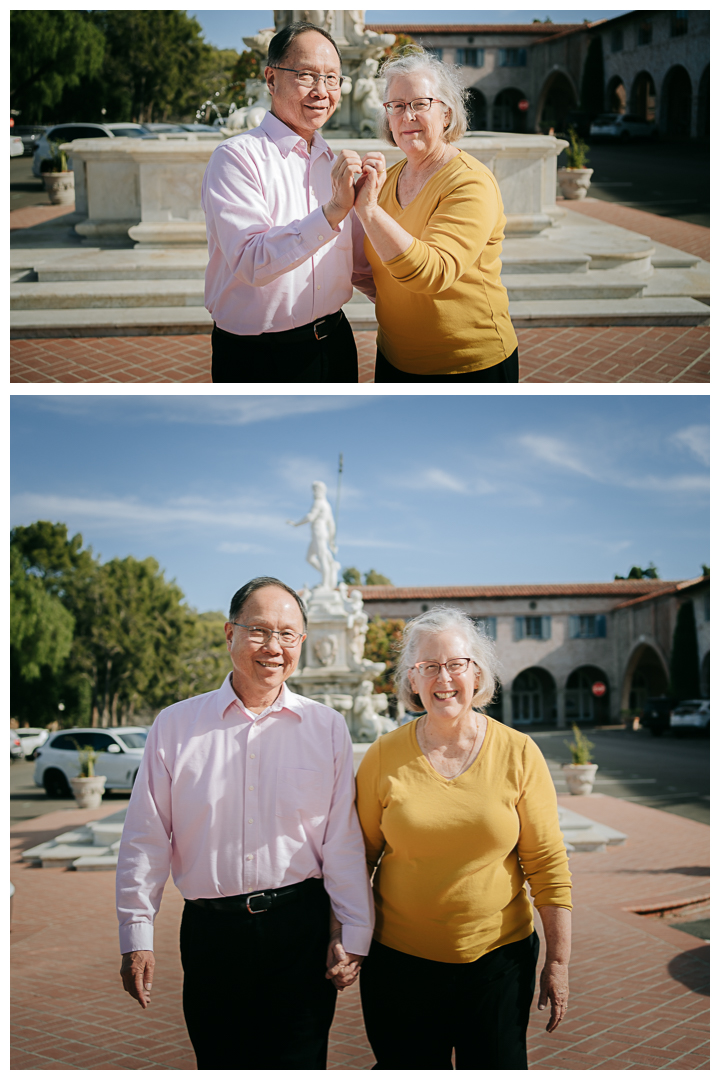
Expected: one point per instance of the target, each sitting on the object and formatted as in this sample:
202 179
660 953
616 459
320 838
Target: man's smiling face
305 108
260 670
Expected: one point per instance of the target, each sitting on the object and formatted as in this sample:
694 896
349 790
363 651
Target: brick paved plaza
639 987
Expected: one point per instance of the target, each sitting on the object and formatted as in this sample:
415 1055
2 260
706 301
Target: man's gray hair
479 648
243 594
447 83
280 45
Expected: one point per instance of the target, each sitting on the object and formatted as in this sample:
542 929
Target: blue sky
436 489
226 29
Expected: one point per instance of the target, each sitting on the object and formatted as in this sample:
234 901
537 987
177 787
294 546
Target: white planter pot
580 778
60 186
88 791
574 183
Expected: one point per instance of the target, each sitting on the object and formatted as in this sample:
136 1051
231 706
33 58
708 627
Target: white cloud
232 548
681 483
556 452
344 542
436 479
696 439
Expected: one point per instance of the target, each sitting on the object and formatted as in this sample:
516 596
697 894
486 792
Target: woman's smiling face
417 133
444 697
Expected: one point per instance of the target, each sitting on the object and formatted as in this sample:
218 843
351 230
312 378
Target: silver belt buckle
319 337
249 900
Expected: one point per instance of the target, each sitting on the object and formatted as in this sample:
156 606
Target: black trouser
255 994
417 1010
507 372
288 355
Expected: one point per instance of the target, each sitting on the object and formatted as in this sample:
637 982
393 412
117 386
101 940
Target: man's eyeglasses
312 78
260 635
419 105
458 666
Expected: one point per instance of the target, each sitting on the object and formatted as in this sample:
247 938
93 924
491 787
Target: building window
512 57
678 23
533 627
587 626
644 34
487 623
470 57
616 39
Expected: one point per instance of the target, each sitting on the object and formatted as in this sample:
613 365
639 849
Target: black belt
256 902
320 329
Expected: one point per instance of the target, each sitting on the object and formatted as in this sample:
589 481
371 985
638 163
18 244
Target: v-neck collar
433 771
431 177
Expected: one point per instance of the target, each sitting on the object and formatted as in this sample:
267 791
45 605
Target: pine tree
684 667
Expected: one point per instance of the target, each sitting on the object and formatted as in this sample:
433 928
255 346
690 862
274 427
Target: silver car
64 133
120 753
623 127
690 715
32 738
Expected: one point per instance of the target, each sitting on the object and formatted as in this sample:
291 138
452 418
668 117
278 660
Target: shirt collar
286 139
285 700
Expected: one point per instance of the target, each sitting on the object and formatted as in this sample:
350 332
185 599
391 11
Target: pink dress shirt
275 262
234 803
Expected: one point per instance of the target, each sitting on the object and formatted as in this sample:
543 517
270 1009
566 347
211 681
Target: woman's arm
554 975
387 237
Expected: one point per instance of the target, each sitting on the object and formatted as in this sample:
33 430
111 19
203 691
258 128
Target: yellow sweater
450 885
441 307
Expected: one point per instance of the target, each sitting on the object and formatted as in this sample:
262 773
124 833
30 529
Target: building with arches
556 643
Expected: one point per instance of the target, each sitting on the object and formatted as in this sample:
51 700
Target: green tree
247 66
41 629
51 52
381 645
684 665
401 42
592 88
373 578
637 574
706 570
352 576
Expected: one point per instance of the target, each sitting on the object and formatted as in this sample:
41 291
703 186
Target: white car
65 133
121 750
17 148
31 738
689 715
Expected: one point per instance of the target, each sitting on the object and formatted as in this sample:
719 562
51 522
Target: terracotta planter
574 183
580 778
88 791
60 186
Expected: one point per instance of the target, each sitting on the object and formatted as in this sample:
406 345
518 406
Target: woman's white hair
448 84
479 648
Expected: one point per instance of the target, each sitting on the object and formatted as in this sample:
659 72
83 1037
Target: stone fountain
332 668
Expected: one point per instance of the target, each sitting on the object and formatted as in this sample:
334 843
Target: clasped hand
356 181
342 968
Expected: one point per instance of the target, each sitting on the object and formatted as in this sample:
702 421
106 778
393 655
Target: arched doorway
533 697
476 110
677 103
705 677
558 98
593 79
645 676
703 109
495 707
616 95
507 116
642 96
581 705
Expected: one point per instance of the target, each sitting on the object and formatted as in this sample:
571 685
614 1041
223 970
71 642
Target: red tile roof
492 28
466 592
672 587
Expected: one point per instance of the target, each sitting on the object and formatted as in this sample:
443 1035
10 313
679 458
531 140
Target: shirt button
250 821
252 755
250 858
318 288
320 236
252 788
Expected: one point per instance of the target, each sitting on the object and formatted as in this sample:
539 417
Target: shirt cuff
356 939
316 230
136 937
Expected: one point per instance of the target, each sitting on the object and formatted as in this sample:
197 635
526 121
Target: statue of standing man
322 545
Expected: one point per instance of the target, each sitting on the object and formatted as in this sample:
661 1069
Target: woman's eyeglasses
419 105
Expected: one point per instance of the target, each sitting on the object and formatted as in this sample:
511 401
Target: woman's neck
445 730
427 163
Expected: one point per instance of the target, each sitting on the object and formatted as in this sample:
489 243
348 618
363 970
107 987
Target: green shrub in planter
57 163
578 152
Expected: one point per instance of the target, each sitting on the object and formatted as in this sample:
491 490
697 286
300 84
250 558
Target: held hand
342 968
555 988
369 185
347 165
136 972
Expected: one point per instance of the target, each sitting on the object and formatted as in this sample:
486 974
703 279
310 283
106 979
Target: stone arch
642 96
646 675
534 697
616 95
705 676
476 110
581 705
558 97
506 114
703 105
676 103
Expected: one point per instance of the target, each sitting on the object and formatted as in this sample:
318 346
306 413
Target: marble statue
320 554
369 723
368 97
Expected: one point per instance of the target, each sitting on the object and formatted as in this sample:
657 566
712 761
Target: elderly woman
433 234
458 812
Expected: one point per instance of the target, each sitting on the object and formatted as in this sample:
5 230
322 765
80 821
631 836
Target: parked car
163 128
691 715
656 714
121 750
63 133
16 146
16 750
31 738
623 127
30 135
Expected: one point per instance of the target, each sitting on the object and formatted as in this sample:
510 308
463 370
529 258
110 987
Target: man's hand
136 972
342 968
554 986
370 183
346 167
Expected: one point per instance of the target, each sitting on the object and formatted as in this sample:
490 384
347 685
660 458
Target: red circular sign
523 105
598 688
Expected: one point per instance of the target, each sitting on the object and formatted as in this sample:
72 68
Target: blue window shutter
546 628
481 58
460 56
574 626
599 626
492 627
519 628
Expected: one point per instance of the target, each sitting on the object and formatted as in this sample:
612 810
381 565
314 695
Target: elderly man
280 242
247 795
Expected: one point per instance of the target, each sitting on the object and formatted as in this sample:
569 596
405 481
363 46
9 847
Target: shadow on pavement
692 969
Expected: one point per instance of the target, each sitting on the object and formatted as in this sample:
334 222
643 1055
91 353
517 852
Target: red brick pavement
639 987
27 216
656 354
695 239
